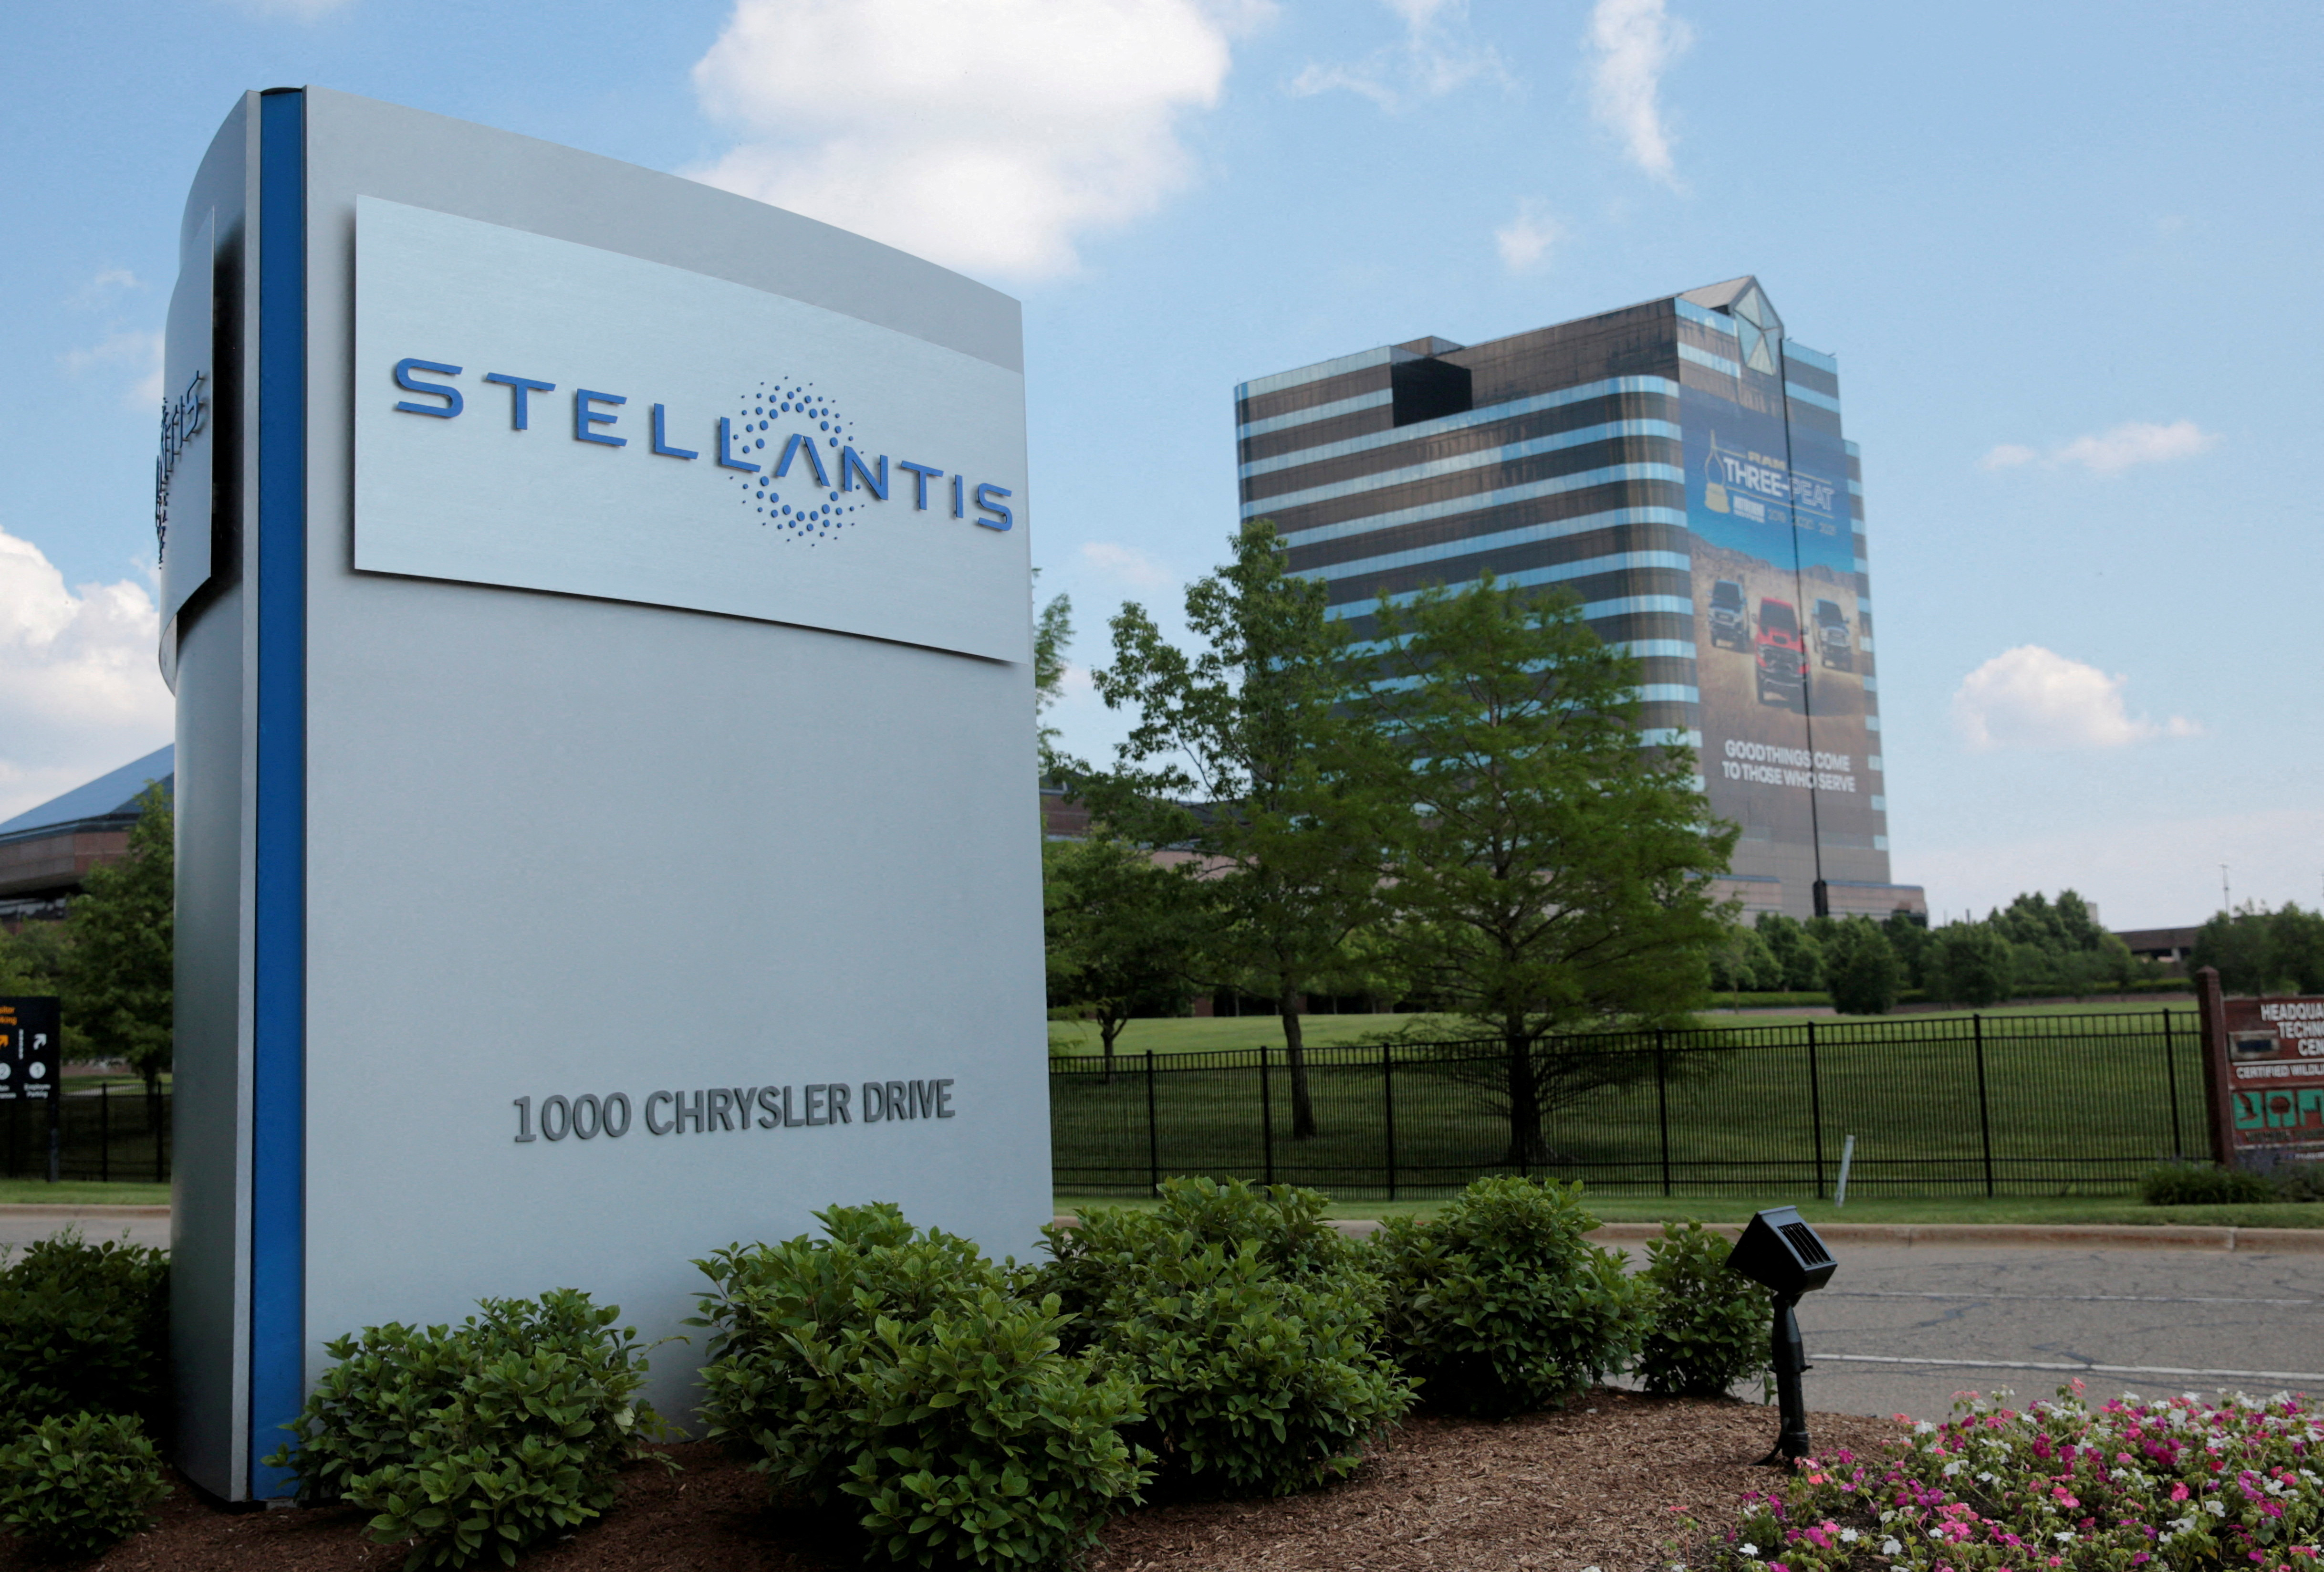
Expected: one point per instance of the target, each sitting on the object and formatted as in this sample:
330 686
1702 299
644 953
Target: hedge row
967 1411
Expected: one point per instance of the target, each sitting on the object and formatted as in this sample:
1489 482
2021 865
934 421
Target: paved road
18 1229
1902 1330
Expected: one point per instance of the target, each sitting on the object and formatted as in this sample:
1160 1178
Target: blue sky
2064 253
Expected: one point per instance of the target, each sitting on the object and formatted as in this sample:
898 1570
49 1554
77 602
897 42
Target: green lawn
1188 1034
2023 1107
18 1192
2036 1209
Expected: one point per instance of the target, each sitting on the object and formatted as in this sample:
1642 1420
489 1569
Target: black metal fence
113 1132
1970 1104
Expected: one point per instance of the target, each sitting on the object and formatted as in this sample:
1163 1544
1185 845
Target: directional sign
30 1037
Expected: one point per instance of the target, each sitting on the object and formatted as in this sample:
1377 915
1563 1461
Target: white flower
1848 1535
1747 1548
1953 1467
1891 1547
2215 1507
2063 1536
1988 1477
1923 1428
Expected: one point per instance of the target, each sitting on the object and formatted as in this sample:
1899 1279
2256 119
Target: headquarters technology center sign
599 611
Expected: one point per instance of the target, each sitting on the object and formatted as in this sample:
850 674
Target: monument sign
582 587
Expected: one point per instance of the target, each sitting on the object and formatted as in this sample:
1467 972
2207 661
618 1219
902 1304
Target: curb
35 1211
2088 1237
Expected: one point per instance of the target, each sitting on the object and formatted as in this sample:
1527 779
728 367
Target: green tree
117 966
1547 871
32 958
1861 968
1908 936
1972 964
1053 634
1797 951
1742 963
1122 934
2242 943
2299 948
1236 756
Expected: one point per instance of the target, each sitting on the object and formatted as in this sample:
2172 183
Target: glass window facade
1681 468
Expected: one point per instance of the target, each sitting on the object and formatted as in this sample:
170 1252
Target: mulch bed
1619 1482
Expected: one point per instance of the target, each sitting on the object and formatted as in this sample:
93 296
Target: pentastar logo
796 460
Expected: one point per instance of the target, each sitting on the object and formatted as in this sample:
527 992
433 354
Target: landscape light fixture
1780 1251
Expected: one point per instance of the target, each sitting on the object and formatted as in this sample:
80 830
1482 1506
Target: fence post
1662 1106
1153 1140
2171 1081
104 1132
1388 1110
1265 1119
1815 1105
1984 1109
157 1113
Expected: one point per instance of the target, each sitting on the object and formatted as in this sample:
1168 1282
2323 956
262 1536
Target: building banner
1781 629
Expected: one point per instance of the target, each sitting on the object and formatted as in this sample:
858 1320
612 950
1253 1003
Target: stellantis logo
788 446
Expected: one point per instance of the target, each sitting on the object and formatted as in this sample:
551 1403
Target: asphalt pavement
1905 1329
23 1224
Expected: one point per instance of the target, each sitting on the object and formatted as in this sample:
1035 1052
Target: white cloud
1436 56
1634 43
1525 241
2034 698
79 692
101 286
135 353
2133 442
1126 564
2136 442
983 134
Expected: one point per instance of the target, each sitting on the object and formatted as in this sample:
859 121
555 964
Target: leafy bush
892 1366
480 1441
1249 1322
2062 1486
83 1327
71 1486
2187 1184
1254 1382
1110 1246
1861 968
1501 1305
1707 1328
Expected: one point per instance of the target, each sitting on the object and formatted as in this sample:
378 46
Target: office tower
1679 466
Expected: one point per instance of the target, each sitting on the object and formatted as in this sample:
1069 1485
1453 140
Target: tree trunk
1525 1101
1108 1027
1295 1056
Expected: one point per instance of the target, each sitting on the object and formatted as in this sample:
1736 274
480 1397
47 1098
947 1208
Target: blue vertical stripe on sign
279 953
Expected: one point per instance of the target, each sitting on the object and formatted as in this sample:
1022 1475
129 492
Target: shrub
1501 1305
479 1441
1254 1382
892 1366
2061 1485
1707 1328
1283 1223
71 1486
1249 1322
2187 1184
82 1327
